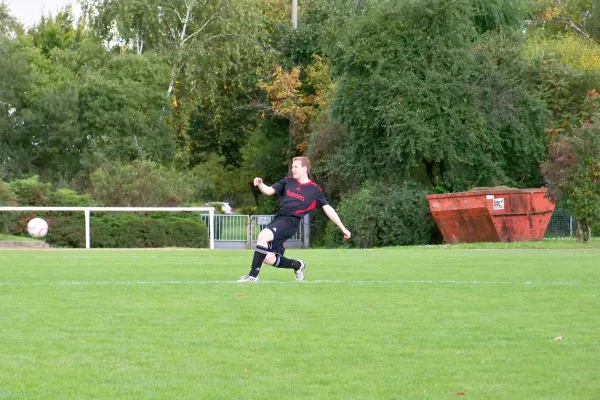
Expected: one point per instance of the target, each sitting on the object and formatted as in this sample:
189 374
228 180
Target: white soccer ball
37 228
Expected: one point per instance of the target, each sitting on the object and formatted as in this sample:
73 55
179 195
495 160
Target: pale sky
29 12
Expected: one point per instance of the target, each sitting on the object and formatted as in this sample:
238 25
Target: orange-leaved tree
299 98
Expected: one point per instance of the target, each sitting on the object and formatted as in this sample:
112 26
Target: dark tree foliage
425 97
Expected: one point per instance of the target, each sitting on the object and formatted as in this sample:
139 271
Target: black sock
283 262
259 256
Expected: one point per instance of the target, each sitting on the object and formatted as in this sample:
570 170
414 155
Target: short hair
304 161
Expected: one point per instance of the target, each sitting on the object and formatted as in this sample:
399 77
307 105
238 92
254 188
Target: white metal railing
259 222
87 210
230 227
235 229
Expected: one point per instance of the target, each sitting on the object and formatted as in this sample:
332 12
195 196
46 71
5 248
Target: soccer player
298 196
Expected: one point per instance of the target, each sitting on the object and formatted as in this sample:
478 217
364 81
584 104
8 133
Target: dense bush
214 180
123 230
31 192
119 230
572 174
70 198
25 192
7 198
384 215
66 229
156 230
141 183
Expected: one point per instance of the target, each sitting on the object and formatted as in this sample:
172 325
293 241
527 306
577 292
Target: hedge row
155 230
119 230
114 230
385 215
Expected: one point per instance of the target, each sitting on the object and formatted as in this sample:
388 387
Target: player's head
300 167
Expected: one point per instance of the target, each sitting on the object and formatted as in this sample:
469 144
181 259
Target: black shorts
283 228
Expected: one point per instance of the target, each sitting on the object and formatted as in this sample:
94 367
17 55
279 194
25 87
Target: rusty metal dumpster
492 215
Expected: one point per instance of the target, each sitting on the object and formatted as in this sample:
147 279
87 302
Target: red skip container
492 215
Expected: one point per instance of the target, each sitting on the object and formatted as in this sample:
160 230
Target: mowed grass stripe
360 265
404 331
305 282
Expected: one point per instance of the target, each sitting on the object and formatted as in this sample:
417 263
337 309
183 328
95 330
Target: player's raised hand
257 181
346 233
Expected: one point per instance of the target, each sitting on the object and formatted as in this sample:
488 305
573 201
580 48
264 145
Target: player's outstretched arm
332 215
268 190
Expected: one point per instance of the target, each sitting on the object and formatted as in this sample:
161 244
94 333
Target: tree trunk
442 171
584 231
429 170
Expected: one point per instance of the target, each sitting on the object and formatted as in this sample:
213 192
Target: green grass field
402 323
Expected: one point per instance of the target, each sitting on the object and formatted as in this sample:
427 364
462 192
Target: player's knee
270 259
264 237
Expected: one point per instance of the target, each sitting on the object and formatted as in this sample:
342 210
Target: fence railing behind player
233 231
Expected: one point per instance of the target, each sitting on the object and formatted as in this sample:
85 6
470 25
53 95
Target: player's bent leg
280 261
265 237
261 252
270 259
297 265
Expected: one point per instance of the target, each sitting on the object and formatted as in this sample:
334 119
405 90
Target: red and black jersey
298 199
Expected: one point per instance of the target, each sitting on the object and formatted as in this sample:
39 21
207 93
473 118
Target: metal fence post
306 231
88 240
249 238
570 226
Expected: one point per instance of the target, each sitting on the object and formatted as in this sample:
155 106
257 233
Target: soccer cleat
248 278
300 271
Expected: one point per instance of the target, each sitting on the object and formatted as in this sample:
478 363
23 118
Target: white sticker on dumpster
489 197
498 204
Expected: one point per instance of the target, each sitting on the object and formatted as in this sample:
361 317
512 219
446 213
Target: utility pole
290 124
295 14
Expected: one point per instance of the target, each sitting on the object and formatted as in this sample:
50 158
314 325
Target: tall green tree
581 17
213 49
563 48
120 108
572 173
564 63
78 106
8 23
426 97
57 32
15 80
